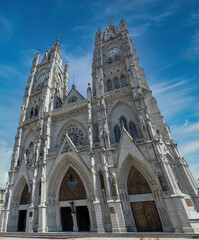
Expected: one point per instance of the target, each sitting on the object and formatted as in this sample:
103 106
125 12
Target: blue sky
165 35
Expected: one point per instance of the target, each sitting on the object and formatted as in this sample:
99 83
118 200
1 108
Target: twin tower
104 163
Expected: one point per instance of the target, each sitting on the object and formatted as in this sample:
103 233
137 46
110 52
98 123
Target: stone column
97 204
75 226
42 224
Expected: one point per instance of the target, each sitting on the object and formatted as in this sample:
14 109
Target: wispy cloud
186 128
165 67
6 28
137 31
80 28
10 72
190 147
164 87
192 52
80 70
175 96
195 170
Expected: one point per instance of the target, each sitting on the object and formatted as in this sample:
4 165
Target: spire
98 35
123 25
111 31
36 59
54 51
66 78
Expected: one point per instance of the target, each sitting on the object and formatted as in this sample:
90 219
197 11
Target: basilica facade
104 163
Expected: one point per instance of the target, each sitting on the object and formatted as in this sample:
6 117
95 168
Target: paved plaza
94 236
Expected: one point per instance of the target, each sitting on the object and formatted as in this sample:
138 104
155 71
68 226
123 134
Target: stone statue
72 207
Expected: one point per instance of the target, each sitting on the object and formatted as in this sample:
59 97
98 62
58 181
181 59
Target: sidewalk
102 238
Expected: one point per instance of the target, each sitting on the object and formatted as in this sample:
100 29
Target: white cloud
5 153
80 68
164 87
190 147
186 129
6 28
10 72
137 31
174 96
195 170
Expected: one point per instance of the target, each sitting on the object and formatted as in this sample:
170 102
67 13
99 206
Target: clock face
112 52
41 77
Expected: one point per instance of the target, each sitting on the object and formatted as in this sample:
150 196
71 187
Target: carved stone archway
19 199
140 187
69 186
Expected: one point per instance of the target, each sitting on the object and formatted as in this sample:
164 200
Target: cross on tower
58 37
110 18
71 177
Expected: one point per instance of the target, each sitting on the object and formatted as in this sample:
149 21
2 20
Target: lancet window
31 112
124 82
117 133
109 85
123 122
133 130
36 111
116 83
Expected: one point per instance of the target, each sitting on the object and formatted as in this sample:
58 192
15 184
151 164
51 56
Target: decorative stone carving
75 134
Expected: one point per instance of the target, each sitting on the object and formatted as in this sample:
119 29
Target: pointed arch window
36 111
25 197
116 83
72 99
133 130
123 121
124 82
117 133
31 112
109 85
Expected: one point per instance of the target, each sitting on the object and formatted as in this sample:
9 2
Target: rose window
75 134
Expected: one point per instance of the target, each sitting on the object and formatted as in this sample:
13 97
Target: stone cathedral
104 163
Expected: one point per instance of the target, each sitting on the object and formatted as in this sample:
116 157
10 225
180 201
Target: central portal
72 193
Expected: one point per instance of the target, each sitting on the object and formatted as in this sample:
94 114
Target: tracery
75 134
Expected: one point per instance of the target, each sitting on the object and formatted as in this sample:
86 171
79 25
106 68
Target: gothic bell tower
126 109
113 57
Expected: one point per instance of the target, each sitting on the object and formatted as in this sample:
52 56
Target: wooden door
83 220
66 219
22 220
146 216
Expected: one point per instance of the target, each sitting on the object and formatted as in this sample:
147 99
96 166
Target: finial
58 37
73 85
110 19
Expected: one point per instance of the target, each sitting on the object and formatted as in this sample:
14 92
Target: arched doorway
73 205
142 203
24 201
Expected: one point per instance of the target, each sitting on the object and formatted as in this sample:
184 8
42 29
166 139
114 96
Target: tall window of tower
123 122
116 83
109 85
31 112
36 111
117 133
124 82
133 130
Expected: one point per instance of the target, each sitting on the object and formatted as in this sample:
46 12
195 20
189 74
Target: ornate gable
73 96
110 32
